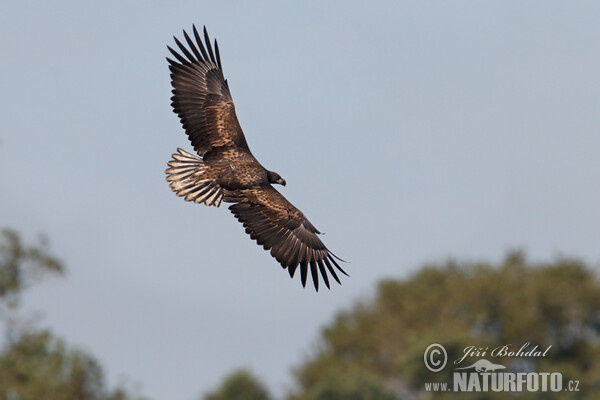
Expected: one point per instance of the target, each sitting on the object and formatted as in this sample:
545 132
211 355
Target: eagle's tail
187 179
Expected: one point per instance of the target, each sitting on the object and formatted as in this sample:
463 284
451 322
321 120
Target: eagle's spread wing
201 96
227 171
277 225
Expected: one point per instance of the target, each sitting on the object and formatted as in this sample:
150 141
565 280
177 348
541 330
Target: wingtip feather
303 272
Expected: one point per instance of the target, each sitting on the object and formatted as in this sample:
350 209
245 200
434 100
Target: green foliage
35 365
471 304
21 264
352 385
240 385
39 366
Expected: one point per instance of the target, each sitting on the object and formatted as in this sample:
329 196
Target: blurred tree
352 385
240 385
39 366
460 305
33 364
21 265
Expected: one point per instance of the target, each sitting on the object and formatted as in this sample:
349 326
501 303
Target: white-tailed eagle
226 170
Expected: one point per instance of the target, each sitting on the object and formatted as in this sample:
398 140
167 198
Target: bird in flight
225 169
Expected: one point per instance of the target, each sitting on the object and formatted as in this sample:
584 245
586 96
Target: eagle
224 169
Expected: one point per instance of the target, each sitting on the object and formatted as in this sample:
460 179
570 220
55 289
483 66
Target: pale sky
408 131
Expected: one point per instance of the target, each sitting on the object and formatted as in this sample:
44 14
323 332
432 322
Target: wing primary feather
339 259
208 46
314 274
303 272
184 50
218 55
192 45
337 265
177 55
323 273
292 270
200 45
172 63
330 268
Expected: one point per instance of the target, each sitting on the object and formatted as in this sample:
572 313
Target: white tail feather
186 176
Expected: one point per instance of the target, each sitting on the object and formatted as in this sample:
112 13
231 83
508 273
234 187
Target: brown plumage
227 171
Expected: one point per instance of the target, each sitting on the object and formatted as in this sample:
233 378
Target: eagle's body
226 170
235 169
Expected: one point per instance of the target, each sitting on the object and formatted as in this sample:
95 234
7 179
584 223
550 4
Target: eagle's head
274 177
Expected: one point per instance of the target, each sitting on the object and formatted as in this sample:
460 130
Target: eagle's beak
281 181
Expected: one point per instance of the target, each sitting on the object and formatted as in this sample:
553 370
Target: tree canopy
371 351
34 364
466 304
240 385
21 264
